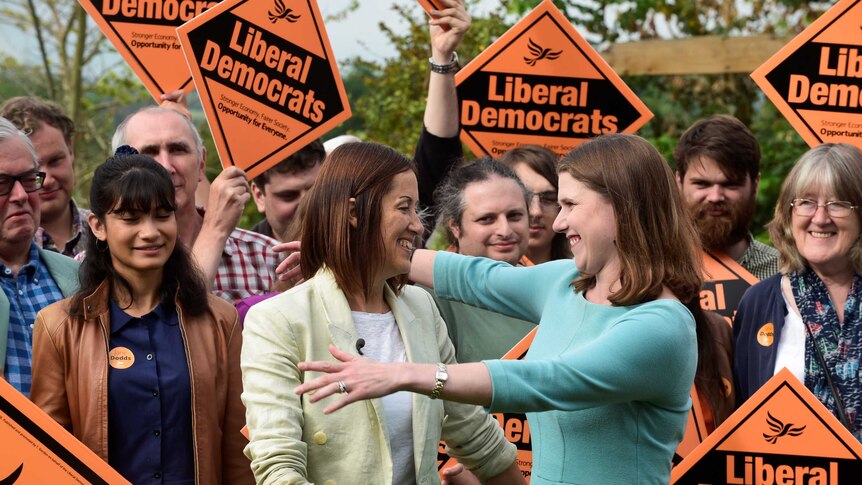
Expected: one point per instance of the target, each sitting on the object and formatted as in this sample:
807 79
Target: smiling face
722 209
825 241
542 215
589 223
139 242
399 223
55 159
19 210
494 223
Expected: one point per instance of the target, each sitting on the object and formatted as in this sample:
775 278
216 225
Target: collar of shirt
71 247
29 269
119 318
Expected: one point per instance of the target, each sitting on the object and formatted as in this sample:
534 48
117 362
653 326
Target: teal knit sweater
606 389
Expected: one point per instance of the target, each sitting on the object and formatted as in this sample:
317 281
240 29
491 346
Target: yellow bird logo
780 429
540 53
280 12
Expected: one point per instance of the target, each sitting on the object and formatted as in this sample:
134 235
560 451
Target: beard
719 232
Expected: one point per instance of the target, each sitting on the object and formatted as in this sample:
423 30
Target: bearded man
718 171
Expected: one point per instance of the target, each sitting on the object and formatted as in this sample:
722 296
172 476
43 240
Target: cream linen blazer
293 442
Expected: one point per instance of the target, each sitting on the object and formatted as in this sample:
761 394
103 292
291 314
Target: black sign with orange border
267 79
34 449
782 435
815 79
542 83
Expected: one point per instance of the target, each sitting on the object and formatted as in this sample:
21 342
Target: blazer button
329 482
320 439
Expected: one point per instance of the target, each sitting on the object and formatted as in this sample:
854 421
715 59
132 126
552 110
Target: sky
357 35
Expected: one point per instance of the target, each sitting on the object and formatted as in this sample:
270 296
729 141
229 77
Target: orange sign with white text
34 449
144 33
541 83
781 435
515 427
814 79
267 79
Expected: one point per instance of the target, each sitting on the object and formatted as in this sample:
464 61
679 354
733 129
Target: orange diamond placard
144 33
815 79
35 449
781 435
267 79
515 427
542 83
725 281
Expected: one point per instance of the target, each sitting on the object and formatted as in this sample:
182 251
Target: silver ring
342 387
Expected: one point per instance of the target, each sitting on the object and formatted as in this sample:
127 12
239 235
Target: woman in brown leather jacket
142 364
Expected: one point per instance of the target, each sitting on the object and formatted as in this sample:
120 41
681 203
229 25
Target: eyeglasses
31 181
835 208
547 199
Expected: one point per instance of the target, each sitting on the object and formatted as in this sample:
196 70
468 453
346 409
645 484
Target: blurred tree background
387 96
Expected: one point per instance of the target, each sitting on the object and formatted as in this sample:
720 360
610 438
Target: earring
102 249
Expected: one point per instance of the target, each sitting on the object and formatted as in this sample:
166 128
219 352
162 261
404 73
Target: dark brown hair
306 158
137 183
724 139
363 171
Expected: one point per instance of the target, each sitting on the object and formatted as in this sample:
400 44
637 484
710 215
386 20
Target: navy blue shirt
149 399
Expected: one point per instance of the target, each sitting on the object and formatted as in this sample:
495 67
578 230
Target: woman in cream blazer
356 253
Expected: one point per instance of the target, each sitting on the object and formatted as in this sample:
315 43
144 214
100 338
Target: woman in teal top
606 382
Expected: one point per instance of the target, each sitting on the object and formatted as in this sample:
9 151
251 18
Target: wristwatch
441 377
452 66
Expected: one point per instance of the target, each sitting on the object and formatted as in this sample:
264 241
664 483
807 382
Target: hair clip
125 150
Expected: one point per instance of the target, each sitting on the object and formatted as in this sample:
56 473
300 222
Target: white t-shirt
383 343
791 344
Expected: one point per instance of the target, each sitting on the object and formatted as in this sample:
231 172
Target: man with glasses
31 278
64 224
718 171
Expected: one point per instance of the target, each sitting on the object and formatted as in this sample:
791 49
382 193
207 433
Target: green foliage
388 107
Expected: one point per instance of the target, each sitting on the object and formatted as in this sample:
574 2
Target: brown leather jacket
70 380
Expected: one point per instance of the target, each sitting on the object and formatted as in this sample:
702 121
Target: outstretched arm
422 267
366 379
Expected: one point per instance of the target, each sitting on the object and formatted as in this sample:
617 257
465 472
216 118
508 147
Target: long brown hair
363 171
656 241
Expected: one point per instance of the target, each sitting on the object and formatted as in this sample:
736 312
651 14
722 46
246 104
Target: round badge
121 358
766 335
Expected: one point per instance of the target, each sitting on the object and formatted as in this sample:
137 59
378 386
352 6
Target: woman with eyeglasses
807 318
537 167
